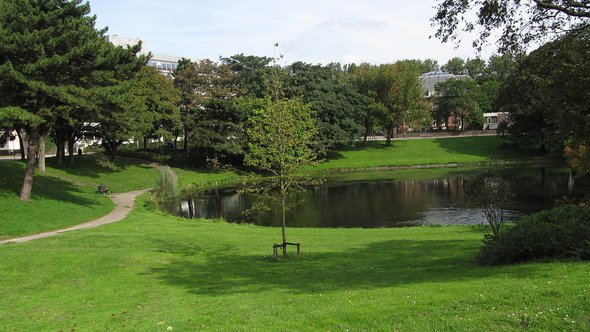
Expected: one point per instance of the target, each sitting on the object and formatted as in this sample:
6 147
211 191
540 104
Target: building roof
431 79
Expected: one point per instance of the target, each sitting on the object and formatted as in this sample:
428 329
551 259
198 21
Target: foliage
458 97
166 192
455 66
394 92
279 138
252 73
563 233
161 99
335 102
493 195
520 22
210 120
547 96
46 51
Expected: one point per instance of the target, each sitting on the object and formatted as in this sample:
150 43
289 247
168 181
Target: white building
166 64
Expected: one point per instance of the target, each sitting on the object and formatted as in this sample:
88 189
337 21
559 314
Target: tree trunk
61 151
367 128
389 134
145 139
22 144
185 143
33 145
42 154
71 152
175 139
284 219
190 208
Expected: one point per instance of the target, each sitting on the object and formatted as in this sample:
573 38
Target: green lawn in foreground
151 272
471 149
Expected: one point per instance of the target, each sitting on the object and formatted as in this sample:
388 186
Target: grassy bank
462 150
65 196
151 272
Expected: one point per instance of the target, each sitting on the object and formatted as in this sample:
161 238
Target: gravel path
123 205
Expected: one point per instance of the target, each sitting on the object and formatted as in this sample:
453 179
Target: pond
389 201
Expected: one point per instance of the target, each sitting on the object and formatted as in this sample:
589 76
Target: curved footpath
123 205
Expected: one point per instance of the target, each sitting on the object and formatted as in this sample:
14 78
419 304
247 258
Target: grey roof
429 80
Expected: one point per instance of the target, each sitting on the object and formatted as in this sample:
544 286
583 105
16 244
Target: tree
475 68
161 99
547 96
492 194
252 74
332 97
455 66
280 134
520 22
211 123
398 88
458 98
47 49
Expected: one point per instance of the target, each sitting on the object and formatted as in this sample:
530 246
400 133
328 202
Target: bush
562 233
166 193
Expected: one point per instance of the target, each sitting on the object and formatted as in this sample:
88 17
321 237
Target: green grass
122 175
65 196
55 203
151 272
463 150
207 178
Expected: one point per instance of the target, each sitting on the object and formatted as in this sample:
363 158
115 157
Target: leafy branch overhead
517 23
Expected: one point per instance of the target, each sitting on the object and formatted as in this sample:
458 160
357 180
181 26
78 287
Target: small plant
167 191
492 194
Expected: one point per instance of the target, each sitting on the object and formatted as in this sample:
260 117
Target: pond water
393 203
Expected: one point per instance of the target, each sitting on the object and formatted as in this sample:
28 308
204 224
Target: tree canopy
518 22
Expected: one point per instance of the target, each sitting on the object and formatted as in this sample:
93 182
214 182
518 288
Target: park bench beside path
123 205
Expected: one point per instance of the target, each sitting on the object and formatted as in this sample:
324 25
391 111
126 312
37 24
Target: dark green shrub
563 233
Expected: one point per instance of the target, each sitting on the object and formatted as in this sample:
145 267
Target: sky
312 31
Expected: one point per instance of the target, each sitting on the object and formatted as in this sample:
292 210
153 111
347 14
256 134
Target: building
431 79
429 82
492 120
166 64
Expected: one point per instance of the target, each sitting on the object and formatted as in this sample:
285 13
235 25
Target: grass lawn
464 150
150 272
65 196
55 203
122 175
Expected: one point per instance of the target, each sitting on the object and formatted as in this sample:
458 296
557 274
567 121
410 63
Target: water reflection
392 203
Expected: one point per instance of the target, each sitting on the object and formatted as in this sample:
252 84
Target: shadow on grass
383 264
92 166
490 147
44 187
373 145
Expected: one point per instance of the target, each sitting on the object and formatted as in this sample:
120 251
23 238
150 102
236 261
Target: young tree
280 134
493 195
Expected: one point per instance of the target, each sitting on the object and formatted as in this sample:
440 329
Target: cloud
319 31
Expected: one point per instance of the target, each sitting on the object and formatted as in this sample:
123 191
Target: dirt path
123 205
